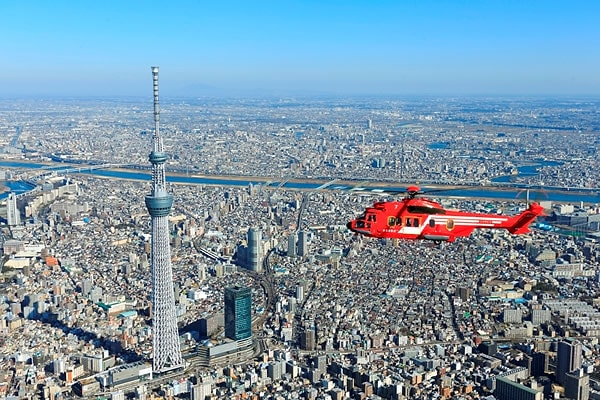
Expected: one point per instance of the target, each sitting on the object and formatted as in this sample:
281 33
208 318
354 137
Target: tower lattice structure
165 337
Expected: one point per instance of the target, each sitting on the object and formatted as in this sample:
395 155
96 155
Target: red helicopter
421 218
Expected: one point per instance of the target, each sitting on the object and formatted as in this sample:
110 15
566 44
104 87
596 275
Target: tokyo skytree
165 337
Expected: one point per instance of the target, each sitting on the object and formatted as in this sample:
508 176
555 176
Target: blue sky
284 47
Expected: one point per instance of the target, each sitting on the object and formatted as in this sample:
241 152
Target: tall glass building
238 312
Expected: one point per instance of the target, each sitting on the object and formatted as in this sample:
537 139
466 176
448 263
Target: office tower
165 337
291 250
577 385
568 359
302 245
238 312
254 249
13 216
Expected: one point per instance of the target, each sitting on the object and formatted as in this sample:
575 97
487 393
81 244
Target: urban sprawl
333 315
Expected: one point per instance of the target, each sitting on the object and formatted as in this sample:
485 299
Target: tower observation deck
165 336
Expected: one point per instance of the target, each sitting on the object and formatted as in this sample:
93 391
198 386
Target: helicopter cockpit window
391 221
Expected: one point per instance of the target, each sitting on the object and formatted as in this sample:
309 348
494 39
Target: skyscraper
291 250
254 249
302 245
238 312
13 216
165 337
568 358
300 293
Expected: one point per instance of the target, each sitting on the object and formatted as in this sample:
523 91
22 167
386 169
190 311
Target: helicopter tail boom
519 224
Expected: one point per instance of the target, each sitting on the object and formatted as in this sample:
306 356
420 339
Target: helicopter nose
349 225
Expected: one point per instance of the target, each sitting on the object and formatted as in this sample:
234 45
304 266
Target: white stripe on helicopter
458 221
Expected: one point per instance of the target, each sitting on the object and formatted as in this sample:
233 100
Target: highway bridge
52 170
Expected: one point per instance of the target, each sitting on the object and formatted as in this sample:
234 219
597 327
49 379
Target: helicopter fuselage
420 218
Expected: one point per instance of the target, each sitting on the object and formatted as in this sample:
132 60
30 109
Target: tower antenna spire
165 337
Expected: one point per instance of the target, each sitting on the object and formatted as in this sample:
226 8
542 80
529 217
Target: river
499 193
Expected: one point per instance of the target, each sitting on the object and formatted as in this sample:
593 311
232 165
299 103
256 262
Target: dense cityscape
334 315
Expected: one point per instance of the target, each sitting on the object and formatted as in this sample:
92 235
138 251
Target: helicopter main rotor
412 191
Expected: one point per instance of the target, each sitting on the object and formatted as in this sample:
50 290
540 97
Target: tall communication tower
165 337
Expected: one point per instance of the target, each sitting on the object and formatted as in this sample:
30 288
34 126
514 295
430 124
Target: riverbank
505 192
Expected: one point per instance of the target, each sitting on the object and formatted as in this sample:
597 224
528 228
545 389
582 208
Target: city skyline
300 48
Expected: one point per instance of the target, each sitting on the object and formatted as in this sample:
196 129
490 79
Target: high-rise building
291 250
210 325
568 358
86 286
308 338
539 316
255 249
202 272
165 337
300 293
302 243
463 293
539 361
511 316
577 385
201 391
13 215
275 369
238 312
